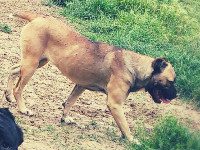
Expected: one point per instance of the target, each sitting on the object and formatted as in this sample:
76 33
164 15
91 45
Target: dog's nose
175 95
172 94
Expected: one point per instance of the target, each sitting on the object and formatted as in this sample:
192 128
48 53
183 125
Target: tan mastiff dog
91 65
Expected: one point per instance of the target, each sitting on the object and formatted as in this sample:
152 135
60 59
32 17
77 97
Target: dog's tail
30 16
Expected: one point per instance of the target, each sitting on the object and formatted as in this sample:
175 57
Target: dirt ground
48 89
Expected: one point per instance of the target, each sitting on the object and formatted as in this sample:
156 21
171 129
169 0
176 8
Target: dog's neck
140 67
138 64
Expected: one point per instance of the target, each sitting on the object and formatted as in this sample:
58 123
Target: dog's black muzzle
169 92
162 93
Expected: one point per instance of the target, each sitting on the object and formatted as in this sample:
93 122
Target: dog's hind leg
14 72
76 92
28 67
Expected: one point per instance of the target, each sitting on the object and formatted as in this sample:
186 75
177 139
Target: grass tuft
168 134
5 28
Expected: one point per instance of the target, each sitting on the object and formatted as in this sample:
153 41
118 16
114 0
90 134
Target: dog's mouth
158 96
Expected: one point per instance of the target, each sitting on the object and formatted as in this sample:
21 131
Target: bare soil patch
48 89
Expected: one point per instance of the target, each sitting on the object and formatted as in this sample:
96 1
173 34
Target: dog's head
161 86
11 135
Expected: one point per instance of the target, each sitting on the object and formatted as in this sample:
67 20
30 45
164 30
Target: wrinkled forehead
169 73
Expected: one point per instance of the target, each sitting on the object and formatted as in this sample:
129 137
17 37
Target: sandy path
48 89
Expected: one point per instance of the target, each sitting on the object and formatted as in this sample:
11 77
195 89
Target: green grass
168 134
169 28
5 28
49 128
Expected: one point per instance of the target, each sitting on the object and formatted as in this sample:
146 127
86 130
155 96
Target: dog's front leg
117 93
118 114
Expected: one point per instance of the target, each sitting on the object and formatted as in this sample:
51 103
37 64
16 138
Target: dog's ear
159 64
7 113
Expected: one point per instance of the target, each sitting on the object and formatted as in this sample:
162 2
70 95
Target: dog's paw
68 120
27 112
136 141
